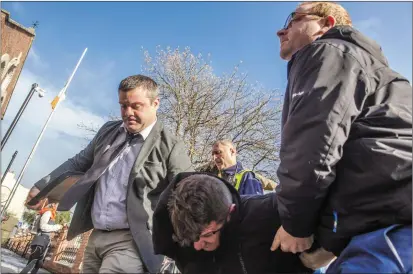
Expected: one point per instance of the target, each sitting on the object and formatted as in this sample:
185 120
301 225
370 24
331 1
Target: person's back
46 220
375 169
258 223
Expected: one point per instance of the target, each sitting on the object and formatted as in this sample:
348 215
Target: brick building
16 41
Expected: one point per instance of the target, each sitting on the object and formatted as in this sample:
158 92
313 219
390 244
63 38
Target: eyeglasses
293 17
209 234
189 240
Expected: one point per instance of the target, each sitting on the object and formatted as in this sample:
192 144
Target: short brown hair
197 201
225 142
324 9
142 81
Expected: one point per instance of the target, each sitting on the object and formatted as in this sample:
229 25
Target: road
13 263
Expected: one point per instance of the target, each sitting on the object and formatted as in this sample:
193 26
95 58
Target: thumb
276 243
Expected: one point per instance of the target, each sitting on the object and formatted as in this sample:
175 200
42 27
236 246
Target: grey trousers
111 252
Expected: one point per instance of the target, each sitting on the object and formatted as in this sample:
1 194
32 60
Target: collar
233 169
144 132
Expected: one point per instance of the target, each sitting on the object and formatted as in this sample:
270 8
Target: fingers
277 241
32 193
306 259
317 258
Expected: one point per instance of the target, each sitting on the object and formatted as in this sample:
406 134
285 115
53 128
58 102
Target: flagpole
55 103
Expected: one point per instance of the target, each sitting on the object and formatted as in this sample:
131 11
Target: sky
116 32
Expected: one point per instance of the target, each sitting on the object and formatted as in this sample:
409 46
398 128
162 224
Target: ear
156 102
232 208
327 23
233 151
331 21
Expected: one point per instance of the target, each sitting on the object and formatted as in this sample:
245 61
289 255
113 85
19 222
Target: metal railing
63 256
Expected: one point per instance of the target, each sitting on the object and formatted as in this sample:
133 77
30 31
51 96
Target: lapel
147 147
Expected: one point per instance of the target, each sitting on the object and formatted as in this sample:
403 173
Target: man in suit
126 167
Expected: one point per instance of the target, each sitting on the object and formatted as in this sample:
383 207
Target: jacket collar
234 169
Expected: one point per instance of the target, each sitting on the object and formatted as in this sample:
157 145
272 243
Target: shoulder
167 137
266 204
109 126
332 50
320 49
259 213
248 175
47 215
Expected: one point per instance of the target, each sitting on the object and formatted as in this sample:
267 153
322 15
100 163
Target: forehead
133 96
220 147
211 227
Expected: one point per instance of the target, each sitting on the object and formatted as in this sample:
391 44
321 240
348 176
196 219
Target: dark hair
196 202
136 81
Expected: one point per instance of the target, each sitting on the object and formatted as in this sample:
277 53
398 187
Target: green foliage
63 217
29 216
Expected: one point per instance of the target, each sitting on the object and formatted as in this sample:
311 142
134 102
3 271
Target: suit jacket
162 156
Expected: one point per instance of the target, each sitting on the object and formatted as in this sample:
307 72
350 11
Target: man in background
225 165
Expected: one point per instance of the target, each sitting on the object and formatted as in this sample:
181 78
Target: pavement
14 263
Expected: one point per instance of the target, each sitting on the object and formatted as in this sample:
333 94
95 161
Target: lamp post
40 92
8 167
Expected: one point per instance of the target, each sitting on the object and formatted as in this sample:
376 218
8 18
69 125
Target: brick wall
15 40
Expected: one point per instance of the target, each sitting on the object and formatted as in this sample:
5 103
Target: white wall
17 203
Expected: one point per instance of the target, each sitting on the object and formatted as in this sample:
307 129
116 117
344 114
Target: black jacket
245 240
346 148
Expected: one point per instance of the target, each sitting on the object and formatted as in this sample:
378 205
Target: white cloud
62 139
34 59
67 116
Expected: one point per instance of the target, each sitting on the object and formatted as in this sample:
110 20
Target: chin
134 128
285 57
210 249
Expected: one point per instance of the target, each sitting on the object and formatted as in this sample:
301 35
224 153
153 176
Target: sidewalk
13 263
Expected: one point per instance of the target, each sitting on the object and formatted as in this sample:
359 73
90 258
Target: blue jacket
387 250
249 184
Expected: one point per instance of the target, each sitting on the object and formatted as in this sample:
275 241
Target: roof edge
11 21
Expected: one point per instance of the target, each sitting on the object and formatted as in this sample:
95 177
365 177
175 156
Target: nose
128 111
199 245
281 32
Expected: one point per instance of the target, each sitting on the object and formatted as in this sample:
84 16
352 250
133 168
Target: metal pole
17 117
8 167
54 107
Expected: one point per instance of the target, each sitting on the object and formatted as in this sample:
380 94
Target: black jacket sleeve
327 87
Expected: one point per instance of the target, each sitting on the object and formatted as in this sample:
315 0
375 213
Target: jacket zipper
241 260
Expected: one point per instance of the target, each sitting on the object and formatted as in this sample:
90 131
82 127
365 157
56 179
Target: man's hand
317 259
32 193
290 243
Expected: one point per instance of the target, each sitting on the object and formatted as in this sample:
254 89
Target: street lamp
41 93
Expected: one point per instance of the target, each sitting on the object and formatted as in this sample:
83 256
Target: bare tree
201 107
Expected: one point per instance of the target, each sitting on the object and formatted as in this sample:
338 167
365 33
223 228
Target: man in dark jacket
203 224
346 148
